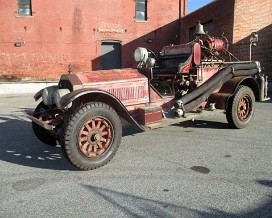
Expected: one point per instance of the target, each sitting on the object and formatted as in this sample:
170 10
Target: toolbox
150 114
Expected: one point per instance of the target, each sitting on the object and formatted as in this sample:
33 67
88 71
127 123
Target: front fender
88 95
229 88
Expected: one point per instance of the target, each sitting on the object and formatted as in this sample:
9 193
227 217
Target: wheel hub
95 136
244 108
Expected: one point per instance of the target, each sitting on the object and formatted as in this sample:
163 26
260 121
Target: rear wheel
45 136
92 136
241 107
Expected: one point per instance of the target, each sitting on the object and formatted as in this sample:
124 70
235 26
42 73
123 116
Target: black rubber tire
73 132
45 136
234 112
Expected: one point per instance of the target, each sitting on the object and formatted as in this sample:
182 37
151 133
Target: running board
188 116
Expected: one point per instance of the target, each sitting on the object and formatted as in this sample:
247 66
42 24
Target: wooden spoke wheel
244 107
241 107
92 136
95 136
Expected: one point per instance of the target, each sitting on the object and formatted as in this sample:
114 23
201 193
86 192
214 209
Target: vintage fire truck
83 112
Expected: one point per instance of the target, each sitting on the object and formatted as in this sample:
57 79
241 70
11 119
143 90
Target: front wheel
241 107
92 136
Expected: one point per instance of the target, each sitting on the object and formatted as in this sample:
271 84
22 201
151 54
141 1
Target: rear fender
229 88
83 96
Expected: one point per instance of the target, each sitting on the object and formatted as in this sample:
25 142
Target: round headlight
140 54
59 94
48 95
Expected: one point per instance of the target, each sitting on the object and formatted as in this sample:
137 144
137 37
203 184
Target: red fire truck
83 111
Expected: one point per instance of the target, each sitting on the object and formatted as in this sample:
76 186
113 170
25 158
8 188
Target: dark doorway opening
111 55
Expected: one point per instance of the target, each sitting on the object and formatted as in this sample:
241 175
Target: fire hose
194 98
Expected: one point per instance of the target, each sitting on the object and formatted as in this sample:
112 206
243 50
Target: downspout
182 8
185 7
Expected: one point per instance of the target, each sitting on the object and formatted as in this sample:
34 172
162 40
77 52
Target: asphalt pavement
198 168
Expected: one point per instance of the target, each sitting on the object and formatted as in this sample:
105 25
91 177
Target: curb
24 87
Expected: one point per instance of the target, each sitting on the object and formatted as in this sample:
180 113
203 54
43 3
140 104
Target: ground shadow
129 129
20 146
137 206
203 124
267 183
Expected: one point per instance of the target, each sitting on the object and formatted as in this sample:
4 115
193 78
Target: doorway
110 55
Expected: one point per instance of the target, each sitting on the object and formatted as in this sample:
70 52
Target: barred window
141 9
24 7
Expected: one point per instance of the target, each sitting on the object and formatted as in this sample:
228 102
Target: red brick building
237 19
39 39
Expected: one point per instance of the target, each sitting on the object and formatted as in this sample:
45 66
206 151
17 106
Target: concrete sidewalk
33 87
24 87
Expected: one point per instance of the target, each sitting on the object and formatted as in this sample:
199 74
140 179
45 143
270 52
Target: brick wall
219 12
254 16
67 32
238 19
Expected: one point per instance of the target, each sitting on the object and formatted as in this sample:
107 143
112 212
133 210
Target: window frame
29 6
137 18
